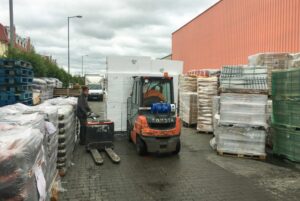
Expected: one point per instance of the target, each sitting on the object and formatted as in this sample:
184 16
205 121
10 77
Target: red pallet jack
99 137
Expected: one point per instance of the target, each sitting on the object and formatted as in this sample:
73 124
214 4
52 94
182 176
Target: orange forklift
152 123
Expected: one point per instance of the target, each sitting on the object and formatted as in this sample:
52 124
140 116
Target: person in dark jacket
83 111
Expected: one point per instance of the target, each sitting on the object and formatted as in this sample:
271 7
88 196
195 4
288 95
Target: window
156 90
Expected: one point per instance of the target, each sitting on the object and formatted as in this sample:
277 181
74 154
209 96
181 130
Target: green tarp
286 142
286 113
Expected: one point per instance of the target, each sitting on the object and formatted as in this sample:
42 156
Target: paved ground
197 173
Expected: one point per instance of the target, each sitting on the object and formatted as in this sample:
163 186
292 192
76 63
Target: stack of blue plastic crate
16 78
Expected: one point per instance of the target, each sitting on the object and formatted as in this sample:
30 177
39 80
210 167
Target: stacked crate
15 82
286 113
241 129
207 88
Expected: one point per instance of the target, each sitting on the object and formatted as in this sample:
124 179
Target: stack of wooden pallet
15 82
207 87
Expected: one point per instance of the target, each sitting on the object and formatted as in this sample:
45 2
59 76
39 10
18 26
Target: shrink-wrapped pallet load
242 125
286 113
43 118
188 107
243 109
67 131
216 111
241 140
21 159
187 83
188 99
206 89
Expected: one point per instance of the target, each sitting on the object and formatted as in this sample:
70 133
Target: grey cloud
115 27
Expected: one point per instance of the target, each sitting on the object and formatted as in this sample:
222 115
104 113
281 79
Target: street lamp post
11 26
82 63
77 16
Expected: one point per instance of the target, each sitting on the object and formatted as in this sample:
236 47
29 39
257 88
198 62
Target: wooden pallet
205 132
187 125
247 156
62 172
244 91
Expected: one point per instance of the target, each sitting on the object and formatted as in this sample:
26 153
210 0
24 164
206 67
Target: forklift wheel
141 147
178 147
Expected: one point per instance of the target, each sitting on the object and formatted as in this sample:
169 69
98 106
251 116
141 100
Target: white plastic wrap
188 107
13 109
34 120
21 156
216 111
238 140
206 89
243 110
62 101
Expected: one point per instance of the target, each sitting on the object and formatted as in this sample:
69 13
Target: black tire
178 147
141 147
101 98
129 132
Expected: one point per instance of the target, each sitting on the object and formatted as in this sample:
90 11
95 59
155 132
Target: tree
43 67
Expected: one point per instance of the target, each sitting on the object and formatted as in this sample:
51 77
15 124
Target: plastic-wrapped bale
40 87
243 110
286 142
50 114
21 156
66 138
188 107
216 111
187 83
244 79
63 101
273 61
206 89
48 93
37 118
241 141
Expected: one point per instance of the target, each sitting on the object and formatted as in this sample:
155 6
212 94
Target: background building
23 44
3 40
231 30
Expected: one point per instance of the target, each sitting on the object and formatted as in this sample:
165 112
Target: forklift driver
83 111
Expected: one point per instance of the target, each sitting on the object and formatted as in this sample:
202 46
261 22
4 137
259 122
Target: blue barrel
159 108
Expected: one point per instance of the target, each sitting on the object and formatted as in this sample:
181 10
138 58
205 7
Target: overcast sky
108 27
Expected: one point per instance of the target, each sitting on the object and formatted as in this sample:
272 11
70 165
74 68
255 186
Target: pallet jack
99 137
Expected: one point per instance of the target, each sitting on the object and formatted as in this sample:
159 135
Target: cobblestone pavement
197 173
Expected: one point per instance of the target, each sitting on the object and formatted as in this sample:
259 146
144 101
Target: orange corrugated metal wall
231 30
